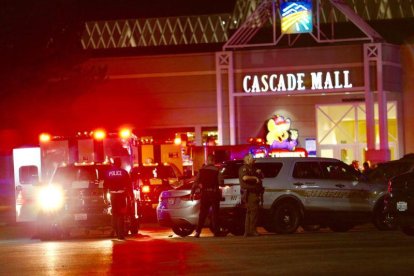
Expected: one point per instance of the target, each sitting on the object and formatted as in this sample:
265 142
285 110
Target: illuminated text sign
296 82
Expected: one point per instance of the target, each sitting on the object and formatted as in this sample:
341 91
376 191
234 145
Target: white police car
317 191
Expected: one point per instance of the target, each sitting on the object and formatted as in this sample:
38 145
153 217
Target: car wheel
237 229
286 218
383 221
183 230
341 226
222 231
408 230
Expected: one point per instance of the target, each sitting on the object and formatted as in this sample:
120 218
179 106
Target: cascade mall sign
296 82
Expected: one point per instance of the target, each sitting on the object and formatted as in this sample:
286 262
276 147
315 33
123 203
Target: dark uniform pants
209 199
119 208
252 213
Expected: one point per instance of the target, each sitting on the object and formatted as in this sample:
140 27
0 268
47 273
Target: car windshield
65 176
163 172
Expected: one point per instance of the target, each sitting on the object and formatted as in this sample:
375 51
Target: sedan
176 209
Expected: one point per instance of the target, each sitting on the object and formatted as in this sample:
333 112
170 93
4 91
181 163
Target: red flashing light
44 137
145 189
99 134
125 133
256 141
389 187
177 141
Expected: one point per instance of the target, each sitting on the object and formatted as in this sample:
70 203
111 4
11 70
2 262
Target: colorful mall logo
296 17
296 82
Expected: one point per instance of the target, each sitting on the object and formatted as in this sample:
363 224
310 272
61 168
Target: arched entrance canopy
269 10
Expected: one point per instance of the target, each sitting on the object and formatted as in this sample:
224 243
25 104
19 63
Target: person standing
118 183
251 185
208 180
367 169
355 165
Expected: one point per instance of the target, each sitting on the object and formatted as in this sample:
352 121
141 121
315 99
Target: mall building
342 88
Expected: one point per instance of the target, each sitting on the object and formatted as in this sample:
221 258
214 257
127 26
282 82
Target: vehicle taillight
145 189
389 187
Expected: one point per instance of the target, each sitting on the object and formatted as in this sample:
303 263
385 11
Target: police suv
75 199
318 191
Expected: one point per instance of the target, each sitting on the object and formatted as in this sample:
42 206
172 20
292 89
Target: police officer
251 185
208 181
118 183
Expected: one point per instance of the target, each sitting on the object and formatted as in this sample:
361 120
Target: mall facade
350 101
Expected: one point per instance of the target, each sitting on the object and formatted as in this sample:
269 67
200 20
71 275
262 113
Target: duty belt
117 192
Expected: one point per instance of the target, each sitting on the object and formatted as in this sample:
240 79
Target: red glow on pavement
154 257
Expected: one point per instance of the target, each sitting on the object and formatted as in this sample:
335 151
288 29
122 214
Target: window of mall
341 130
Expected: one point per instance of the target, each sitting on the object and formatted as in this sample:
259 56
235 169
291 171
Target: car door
27 174
230 193
274 180
351 193
317 192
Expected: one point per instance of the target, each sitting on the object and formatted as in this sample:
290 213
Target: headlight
50 198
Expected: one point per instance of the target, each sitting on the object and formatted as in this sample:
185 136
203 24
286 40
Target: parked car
305 192
399 202
317 192
75 199
152 179
387 170
178 211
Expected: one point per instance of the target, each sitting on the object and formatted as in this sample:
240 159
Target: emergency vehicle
34 166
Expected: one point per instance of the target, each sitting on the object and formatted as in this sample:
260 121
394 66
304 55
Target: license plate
171 201
81 216
402 206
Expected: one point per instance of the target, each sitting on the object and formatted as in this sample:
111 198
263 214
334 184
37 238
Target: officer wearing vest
118 183
208 181
251 185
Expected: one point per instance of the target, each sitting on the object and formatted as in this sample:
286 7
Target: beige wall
147 92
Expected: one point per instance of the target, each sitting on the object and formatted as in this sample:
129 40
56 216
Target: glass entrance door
341 131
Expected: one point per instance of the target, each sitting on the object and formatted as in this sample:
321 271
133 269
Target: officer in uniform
208 181
118 183
251 185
